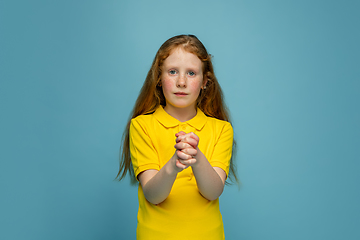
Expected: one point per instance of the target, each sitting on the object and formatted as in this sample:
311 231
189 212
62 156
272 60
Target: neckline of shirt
168 121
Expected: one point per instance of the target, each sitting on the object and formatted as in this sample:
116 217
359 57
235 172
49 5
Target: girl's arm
210 180
156 184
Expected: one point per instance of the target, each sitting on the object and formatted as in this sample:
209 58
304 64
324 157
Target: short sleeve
223 148
143 153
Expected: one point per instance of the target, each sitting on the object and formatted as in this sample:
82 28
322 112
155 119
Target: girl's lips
180 94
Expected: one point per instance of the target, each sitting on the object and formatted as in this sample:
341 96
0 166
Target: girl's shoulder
218 126
218 122
143 118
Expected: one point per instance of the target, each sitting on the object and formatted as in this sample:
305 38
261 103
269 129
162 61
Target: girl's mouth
180 94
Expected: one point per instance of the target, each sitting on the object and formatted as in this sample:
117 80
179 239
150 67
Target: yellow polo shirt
185 213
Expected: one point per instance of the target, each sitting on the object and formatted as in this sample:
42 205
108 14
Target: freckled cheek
167 85
195 85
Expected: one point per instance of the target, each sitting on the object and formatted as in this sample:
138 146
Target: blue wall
70 72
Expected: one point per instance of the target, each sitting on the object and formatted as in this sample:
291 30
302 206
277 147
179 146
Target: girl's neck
181 114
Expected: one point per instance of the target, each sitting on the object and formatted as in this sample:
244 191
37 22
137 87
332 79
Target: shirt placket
184 127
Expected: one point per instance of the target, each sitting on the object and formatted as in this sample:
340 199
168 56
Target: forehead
180 57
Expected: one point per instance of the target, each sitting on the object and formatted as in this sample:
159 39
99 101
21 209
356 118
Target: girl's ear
204 84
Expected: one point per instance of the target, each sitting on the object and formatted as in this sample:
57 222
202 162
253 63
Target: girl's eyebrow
187 68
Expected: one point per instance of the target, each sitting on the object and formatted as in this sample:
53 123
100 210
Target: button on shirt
152 140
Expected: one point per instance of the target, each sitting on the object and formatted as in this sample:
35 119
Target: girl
178 145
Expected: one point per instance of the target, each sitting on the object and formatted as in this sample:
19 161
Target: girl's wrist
200 157
172 168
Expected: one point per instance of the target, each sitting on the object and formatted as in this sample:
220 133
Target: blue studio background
70 72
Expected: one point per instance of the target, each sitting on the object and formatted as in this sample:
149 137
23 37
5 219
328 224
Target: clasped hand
186 149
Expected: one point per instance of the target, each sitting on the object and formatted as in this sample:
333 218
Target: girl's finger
182 155
180 165
180 133
180 138
182 145
189 151
188 162
191 142
190 138
194 136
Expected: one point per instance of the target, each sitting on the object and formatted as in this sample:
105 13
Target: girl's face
181 80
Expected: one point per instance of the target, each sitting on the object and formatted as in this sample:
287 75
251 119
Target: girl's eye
191 73
172 72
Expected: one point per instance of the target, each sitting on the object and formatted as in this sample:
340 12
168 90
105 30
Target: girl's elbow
213 196
154 200
212 199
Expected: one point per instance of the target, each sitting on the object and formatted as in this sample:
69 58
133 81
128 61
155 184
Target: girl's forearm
208 180
157 184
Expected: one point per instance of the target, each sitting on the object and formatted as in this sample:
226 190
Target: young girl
178 145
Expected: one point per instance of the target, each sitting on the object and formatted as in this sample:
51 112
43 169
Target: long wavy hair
210 100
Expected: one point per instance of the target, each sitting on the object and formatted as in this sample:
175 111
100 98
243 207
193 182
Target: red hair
210 101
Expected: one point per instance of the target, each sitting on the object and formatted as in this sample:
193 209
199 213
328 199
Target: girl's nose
181 81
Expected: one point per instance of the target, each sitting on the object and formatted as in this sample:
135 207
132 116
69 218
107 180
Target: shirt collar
168 121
